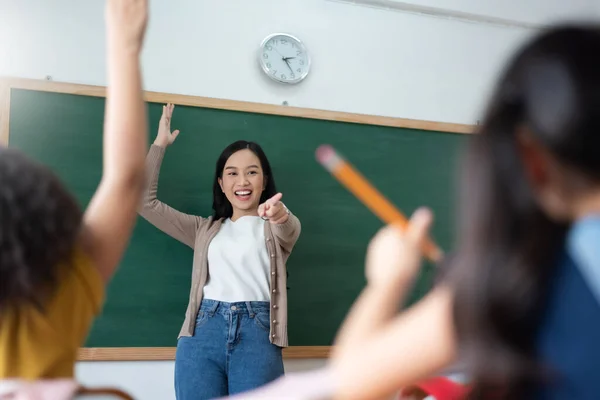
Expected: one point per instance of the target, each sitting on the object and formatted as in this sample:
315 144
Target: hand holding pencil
394 256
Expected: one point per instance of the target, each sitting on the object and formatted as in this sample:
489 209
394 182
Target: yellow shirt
36 344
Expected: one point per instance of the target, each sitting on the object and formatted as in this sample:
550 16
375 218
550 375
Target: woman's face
243 182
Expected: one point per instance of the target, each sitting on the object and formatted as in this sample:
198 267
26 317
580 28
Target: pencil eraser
324 153
328 158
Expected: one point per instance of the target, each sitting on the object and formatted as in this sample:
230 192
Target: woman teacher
236 320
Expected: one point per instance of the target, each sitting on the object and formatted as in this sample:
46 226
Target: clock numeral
294 45
298 53
283 41
269 48
274 42
265 55
299 70
292 75
274 72
283 76
301 62
268 65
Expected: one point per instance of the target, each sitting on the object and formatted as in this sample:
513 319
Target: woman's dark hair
39 224
509 247
221 206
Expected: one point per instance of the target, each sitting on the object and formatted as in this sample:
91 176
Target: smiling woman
239 274
243 179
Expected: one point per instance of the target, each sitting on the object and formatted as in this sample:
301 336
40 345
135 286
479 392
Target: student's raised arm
377 352
413 346
111 214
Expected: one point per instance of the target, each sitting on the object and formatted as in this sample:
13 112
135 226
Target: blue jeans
229 353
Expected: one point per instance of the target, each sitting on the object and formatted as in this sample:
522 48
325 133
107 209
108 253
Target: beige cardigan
197 232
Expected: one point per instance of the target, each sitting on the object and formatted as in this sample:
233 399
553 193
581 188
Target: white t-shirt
238 262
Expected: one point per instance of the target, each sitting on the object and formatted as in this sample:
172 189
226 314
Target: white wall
531 11
365 60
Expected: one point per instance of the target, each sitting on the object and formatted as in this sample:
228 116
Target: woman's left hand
274 210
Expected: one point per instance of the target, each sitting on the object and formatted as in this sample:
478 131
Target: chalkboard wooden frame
168 353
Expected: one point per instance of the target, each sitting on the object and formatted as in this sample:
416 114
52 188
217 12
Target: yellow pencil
371 197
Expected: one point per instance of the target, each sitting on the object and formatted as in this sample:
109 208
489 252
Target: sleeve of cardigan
287 233
176 224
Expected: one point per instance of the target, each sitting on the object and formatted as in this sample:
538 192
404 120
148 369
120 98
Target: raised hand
394 256
164 136
126 24
274 210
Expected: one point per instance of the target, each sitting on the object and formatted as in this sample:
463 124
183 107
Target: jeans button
233 308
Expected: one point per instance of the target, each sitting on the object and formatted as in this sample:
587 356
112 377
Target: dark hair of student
221 206
508 246
39 225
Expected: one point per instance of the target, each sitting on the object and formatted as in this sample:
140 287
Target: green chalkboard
148 297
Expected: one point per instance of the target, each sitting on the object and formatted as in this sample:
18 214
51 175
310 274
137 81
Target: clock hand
288 65
285 59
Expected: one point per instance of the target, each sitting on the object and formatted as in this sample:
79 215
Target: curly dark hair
39 224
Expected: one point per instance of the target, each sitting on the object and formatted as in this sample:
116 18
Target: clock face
284 58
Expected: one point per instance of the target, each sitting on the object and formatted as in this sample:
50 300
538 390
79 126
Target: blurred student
56 260
520 301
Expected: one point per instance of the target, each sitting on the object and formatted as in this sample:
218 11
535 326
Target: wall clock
284 58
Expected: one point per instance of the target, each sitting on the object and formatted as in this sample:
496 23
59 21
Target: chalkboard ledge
8 83
168 353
